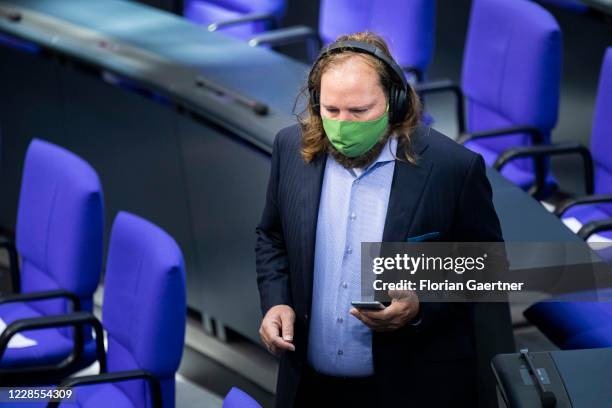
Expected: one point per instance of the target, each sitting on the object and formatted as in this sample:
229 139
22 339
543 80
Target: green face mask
353 138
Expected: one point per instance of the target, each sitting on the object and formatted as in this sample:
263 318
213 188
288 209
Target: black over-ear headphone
398 95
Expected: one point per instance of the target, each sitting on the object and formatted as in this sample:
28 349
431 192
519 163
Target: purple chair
510 80
574 325
236 398
238 18
144 314
590 214
59 236
407 25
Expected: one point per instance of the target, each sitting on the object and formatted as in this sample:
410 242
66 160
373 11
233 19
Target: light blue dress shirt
352 210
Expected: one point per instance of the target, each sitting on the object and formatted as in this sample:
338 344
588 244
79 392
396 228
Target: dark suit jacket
428 365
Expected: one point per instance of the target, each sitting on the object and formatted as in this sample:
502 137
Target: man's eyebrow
359 107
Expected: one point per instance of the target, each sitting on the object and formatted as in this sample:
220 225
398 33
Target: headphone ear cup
393 104
314 100
401 105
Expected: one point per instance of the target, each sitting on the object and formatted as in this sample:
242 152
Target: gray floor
190 395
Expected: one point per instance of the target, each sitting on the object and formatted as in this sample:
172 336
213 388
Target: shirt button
344 285
340 352
353 216
340 319
349 250
306 317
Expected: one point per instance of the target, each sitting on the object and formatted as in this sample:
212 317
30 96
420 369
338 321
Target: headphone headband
366 48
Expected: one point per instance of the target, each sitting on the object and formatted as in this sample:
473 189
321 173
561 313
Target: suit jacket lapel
312 182
407 188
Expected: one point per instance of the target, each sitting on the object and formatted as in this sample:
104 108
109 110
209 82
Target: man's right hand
276 329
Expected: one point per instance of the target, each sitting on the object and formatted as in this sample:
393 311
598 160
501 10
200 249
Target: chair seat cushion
52 346
519 176
574 324
99 395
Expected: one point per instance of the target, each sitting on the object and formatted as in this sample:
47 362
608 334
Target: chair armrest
594 227
76 320
557 149
9 246
446 85
590 199
290 35
51 294
536 136
119 376
418 74
248 18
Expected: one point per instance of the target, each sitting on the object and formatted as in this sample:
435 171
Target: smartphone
372 305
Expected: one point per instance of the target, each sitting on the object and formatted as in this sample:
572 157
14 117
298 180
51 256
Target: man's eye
332 110
358 110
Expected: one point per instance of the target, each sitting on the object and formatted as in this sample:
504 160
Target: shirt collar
387 154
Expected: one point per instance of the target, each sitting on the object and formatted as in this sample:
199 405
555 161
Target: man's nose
344 115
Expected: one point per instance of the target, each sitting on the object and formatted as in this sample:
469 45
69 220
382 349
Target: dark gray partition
226 185
32 85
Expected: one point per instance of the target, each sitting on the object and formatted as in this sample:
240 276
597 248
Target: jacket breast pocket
430 236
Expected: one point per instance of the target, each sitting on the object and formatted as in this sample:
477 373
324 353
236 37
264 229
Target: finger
380 315
270 329
273 350
406 310
282 345
364 319
272 340
262 336
287 321
357 314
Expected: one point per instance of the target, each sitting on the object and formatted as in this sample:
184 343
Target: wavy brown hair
314 141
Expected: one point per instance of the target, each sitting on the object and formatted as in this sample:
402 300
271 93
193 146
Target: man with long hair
360 167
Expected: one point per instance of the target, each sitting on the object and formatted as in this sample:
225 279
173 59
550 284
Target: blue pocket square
424 237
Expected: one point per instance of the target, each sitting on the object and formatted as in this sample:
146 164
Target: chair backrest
144 309
214 11
601 134
511 69
407 25
237 398
60 222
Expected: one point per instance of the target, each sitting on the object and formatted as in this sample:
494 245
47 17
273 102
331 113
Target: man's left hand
403 309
